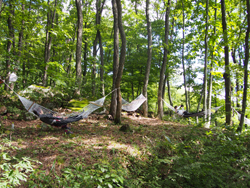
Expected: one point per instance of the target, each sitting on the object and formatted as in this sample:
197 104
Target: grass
154 154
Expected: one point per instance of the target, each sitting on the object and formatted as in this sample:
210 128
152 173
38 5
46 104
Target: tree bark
205 68
48 42
244 100
79 47
121 63
101 50
183 64
113 104
211 75
163 67
20 41
147 72
169 66
102 65
99 8
10 43
85 55
227 68
94 65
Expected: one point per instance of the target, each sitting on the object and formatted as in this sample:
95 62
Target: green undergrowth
193 158
166 155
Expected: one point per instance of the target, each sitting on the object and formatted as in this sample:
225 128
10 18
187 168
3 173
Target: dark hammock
197 114
56 121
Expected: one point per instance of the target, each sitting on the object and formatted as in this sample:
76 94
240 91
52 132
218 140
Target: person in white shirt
179 112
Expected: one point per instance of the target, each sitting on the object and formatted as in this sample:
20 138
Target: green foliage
77 105
13 170
214 159
102 175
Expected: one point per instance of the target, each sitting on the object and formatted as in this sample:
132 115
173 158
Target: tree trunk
94 65
169 67
183 64
20 41
237 83
147 72
71 53
205 69
163 67
48 42
227 68
10 43
102 65
233 53
85 54
121 63
244 100
101 50
211 75
1 1
113 104
198 106
26 61
79 47
99 8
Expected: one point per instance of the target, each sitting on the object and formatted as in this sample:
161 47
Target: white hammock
134 105
205 112
84 112
246 121
30 106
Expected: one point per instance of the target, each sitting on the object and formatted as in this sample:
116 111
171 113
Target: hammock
134 105
54 118
48 116
185 114
246 121
30 106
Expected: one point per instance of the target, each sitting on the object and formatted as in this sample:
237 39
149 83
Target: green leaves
13 170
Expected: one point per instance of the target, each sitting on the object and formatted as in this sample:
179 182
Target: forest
69 54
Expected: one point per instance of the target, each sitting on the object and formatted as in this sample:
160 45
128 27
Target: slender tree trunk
48 42
227 68
169 66
85 56
211 75
113 104
163 67
71 54
198 106
102 65
26 60
94 65
147 72
244 100
99 8
121 63
237 83
10 43
1 1
207 125
79 47
20 41
183 64
236 75
239 64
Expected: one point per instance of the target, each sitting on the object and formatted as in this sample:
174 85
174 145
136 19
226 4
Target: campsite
112 93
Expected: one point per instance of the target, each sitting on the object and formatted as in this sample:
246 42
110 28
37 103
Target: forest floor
93 139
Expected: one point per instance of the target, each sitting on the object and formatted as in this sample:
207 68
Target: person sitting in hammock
180 111
56 121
